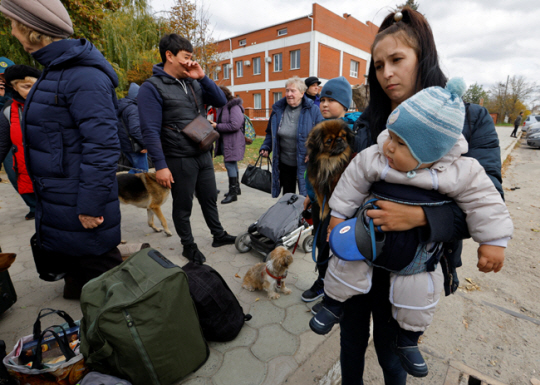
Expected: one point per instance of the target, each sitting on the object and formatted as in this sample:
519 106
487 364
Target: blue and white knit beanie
430 122
338 89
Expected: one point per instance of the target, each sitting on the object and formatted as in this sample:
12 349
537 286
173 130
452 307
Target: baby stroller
282 225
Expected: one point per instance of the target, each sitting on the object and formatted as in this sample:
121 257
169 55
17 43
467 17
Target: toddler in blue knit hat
421 147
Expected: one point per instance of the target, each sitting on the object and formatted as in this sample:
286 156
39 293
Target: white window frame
282 32
226 71
354 71
295 59
216 75
278 62
242 42
257 101
239 69
256 66
278 96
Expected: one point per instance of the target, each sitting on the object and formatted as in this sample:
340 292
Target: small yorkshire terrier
271 275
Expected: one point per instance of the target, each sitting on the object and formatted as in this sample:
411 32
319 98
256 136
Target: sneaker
315 292
193 253
411 360
324 321
30 215
225 239
316 308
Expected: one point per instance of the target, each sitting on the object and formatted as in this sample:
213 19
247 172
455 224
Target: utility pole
504 100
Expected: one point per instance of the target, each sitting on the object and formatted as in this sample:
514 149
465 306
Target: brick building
256 64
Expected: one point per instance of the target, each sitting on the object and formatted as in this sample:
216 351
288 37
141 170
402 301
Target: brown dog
142 190
6 260
270 276
329 152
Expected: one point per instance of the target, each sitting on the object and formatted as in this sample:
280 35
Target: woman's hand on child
396 216
333 223
490 258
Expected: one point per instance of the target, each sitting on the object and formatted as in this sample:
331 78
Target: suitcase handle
61 313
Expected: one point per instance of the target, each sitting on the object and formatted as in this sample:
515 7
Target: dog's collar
278 279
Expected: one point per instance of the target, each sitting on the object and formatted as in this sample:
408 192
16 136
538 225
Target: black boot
231 195
238 192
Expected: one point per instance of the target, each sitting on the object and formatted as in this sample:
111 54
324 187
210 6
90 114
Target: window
295 59
242 42
256 66
277 96
216 76
226 71
282 32
354 69
239 69
278 65
257 101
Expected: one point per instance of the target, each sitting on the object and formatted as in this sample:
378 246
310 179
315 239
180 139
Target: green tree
410 3
475 93
191 20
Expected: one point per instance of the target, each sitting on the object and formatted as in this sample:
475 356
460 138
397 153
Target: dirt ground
492 324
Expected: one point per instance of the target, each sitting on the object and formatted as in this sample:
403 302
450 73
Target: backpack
220 314
139 322
248 130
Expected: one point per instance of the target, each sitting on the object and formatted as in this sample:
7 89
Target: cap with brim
5 63
312 80
351 240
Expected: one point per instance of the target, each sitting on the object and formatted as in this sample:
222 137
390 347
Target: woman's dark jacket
72 148
309 117
447 223
129 124
230 122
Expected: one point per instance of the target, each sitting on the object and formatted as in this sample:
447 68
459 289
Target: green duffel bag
139 322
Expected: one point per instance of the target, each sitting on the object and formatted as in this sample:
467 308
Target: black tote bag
257 178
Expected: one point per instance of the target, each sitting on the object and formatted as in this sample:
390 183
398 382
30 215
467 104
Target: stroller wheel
243 243
307 245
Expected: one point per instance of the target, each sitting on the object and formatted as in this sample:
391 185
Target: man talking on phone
168 101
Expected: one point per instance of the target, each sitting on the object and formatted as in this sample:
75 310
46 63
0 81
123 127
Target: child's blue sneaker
324 321
411 360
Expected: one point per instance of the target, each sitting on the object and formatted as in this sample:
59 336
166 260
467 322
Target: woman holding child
404 62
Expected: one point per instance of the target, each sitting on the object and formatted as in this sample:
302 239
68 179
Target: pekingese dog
329 151
270 276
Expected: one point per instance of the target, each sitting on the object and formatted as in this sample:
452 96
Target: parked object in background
140 323
531 119
533 135
142 190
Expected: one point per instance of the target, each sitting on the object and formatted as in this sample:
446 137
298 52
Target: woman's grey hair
297 83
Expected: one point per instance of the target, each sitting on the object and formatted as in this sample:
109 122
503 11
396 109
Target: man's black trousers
194 174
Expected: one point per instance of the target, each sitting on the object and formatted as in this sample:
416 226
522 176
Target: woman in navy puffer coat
72 148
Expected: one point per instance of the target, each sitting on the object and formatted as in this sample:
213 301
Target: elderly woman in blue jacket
71 144
291 120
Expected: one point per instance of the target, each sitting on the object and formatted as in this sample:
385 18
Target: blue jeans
355 333
137 160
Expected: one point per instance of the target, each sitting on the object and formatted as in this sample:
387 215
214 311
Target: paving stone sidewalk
270 347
